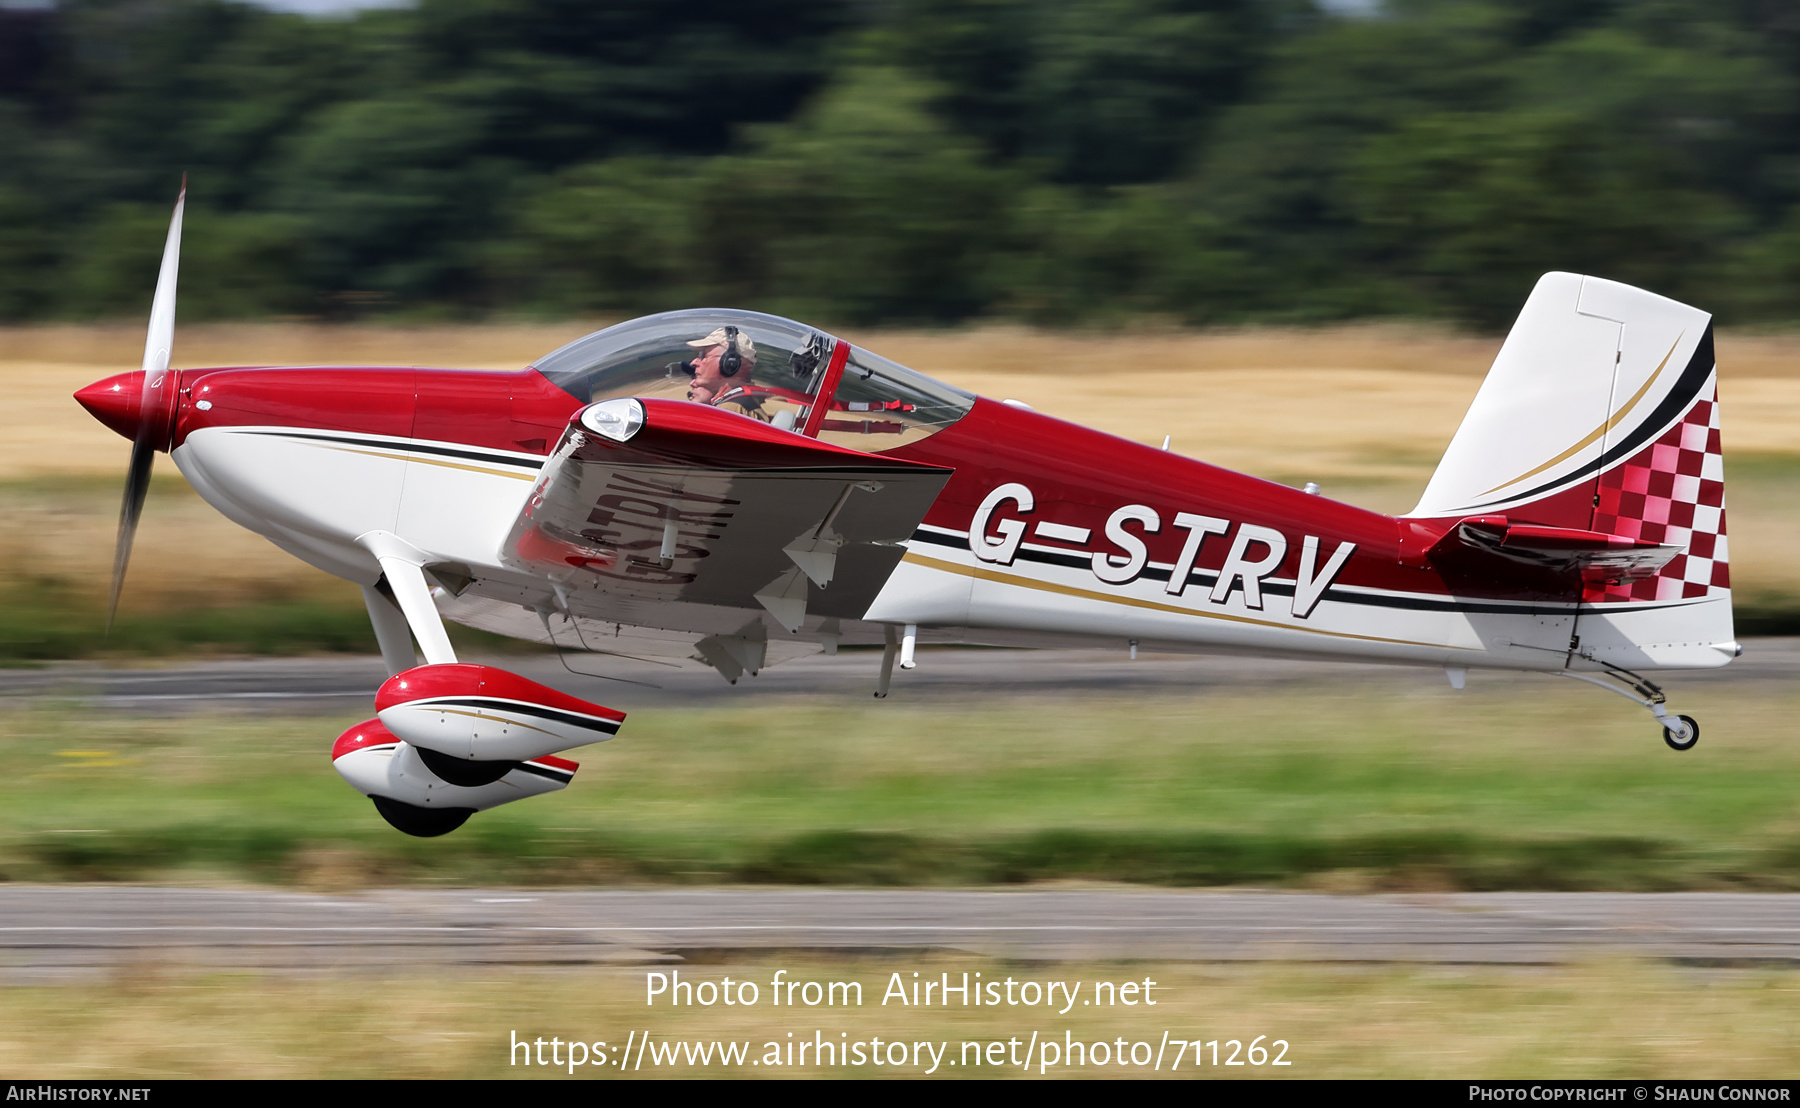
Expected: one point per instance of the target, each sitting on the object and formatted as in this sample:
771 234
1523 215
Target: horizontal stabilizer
1505 548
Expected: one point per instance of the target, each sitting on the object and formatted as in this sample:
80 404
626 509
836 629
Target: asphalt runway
51 934
338 685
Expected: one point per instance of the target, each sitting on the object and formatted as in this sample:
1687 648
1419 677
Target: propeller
156 404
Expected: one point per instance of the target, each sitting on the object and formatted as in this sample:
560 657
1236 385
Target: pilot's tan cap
745 348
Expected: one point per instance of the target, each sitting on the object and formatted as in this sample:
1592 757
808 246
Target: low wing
664 500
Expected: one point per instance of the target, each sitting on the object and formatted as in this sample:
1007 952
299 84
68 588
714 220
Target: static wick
1166 439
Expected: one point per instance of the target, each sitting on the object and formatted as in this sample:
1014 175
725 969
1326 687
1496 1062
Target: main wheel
423 823
462 771
1683 742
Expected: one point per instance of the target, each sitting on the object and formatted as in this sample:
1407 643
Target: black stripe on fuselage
519 707
554 774
1333 593
414 446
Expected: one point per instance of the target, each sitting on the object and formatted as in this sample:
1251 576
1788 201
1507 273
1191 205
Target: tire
461 771
422 823
1693 729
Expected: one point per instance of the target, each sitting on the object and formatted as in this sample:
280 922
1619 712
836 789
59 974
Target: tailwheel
1681 732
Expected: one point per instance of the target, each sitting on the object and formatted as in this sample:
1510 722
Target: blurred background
899 161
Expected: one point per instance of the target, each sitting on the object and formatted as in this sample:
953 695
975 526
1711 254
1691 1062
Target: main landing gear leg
1680 732
887 663
402 564
392 633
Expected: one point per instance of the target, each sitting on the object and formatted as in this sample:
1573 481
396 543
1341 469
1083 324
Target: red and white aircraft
825 495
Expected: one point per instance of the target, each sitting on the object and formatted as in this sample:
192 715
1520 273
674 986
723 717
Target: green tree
611 236
1471 209
27 255
1275 171
865 208
395 199
567 81
1100 91
233 265
1097 255
1060 160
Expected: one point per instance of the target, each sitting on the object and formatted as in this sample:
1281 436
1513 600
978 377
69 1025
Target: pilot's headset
730 361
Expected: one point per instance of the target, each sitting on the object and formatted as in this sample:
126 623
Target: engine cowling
414 798
477 713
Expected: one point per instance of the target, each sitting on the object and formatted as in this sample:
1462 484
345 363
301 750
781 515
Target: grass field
1336 789
1530 787
1598 1020
1366 411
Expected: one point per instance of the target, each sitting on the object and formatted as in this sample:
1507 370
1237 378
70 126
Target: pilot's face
706 370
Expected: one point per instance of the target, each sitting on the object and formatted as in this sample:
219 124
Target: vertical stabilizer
1601 413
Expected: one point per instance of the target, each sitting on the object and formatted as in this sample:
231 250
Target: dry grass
186 553
1365 410
1363 402
1600 1020
41 367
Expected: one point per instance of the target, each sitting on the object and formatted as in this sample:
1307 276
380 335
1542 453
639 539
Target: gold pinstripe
496 719
1598 431
1089 594
401 454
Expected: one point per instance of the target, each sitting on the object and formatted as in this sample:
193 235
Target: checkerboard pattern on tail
1672 491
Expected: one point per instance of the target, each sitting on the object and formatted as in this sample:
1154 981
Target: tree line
1067 162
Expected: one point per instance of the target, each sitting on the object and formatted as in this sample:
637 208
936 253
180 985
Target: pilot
722 369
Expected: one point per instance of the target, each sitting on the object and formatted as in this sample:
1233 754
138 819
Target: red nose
114 401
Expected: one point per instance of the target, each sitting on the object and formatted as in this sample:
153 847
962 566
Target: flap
661 499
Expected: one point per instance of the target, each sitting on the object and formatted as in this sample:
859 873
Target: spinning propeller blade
156 404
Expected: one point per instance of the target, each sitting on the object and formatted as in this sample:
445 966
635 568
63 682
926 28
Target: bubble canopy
876 404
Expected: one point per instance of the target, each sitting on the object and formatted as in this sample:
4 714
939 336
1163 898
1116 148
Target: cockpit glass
880 404
877 405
